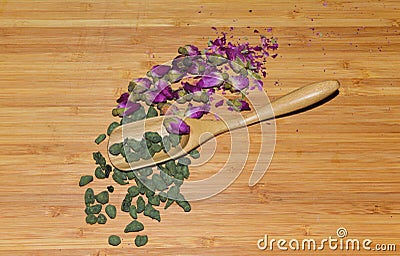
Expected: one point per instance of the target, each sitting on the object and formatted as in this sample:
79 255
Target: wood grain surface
64 63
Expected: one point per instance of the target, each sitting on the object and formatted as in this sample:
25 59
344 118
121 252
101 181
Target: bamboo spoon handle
296 100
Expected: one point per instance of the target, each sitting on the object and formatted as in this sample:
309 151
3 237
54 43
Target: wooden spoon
203 130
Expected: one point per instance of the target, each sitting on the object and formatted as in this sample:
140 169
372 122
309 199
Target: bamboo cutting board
63 64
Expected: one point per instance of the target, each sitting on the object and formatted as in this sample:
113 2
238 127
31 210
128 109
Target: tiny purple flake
219 103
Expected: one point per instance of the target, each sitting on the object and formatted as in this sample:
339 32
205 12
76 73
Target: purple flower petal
168 93
131 108
238 105
244 105
210 80
190 88
160 85
239 82
176 125
259 84
154 97
197 112
122 100
159 70
219 103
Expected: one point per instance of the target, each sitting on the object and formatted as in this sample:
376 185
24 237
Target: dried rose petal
154 97
159 70
239 82
219 103
130 108
213 79
198 111
122 100
176 125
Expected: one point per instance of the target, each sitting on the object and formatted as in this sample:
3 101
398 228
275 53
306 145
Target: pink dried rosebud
176 125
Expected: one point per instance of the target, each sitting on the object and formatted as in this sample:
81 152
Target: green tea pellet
86 179
174 139
184 205
111 127
173 192
132 157
94 209
101 219
114 240
156 148
133 144
134 226
169 203
154 200
110 189
138 114
141 240
130 175
194 154
162 196
204 97
117 178
99 158
115 149
149 189
159 182
111 211
184 170
133 212
166 178
140 203
152 213
197 96
133 191
91 219
171 166
146 171
151 112
153 137
102 197
126 203
166 144
184 161
89 197
100 138
99 173
107 169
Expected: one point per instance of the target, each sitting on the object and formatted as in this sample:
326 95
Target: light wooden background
63 63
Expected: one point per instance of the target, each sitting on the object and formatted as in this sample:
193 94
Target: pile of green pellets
147 189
